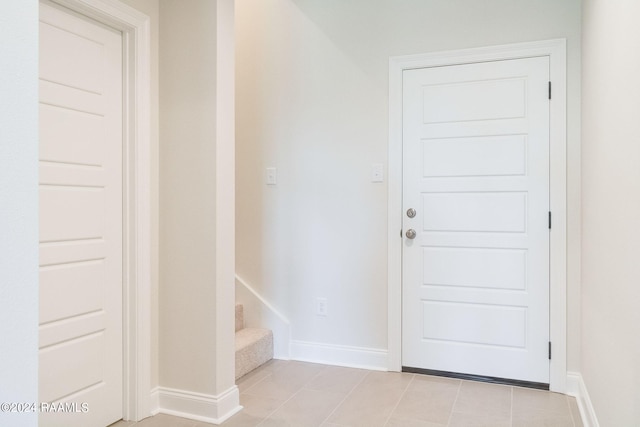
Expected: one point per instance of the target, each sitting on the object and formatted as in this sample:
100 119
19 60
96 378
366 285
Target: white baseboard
196 406
155 401
577 388
339 355
260 313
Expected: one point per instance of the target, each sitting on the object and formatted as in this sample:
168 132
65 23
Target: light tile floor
298 394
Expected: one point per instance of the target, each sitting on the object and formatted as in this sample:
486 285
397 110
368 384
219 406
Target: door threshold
479 378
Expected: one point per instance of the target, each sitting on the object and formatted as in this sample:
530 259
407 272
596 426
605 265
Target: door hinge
549 350
401 233
549 220
549 90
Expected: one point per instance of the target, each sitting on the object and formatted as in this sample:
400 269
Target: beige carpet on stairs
254 346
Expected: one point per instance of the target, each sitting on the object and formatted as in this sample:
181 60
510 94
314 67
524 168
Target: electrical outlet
321 306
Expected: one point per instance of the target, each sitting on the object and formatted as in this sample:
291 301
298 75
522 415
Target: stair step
239 317
254 347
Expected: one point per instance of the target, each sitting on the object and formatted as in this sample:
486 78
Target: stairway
254 346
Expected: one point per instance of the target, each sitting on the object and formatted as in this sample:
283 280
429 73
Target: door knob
411 233
411 212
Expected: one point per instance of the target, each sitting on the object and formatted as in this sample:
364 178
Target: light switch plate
321 306
377 172
272 176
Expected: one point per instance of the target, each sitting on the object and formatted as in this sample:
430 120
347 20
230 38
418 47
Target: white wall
312 85
19 208
225 195
611 209
187 199
197 248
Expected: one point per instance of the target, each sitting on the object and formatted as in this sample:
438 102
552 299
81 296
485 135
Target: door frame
556 51
135 28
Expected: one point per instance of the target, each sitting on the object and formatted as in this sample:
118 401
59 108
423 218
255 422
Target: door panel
476 169
478 211
466 101
484 268
81 111
475 156
471 323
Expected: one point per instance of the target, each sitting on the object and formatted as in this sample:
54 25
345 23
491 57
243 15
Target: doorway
132 29
81 217
476 201
454 210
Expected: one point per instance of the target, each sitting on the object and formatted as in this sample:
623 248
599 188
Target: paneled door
476 219
80 220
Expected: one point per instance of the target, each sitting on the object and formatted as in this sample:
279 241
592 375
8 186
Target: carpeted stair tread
254 347
239 317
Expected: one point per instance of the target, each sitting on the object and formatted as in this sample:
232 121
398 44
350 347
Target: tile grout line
454 402
263 378
256 383
292 396
304 386
345 397
399 400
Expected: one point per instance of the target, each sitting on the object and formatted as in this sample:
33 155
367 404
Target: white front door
476 172
80 220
